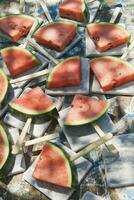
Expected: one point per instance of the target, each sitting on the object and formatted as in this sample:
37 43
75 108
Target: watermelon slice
16 26
4 147
85 110
56 35
106 36
34 104
18 60
54 166
65 74
111 71
3 86
75 10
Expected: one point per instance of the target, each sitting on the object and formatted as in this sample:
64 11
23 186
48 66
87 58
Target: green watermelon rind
34 58
23 15
37 117
6 150
50 76
5 91
71 167
60 22
4 171
114 58
114 25
7 167
88 121
86 14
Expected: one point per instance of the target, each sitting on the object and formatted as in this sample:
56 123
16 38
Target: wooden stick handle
43 51
22 136
115 14
30 76
22 6
34 26
41 139
46 11
111 148
92 146
131 46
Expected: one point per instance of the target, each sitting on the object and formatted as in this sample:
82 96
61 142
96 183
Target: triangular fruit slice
111 71
4 147
75 10
18 60
65 74
3 86
106 36
85 110
56 35
54 166
34 104
16 26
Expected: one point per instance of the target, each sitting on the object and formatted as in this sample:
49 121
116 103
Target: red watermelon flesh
112 72
72 10
66 74
18 60
85 110
33 101
56 35
16 26
106 36
53 166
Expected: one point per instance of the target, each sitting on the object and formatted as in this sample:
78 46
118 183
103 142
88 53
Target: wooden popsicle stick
131 46
111 148
22 6
115 14
41 139
17 147
46 11
34 26
43 51
92 146
30 76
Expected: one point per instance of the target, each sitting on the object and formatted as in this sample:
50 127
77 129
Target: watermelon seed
12 25
110 45
96 38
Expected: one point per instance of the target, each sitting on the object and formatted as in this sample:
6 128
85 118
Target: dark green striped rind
86 13
10 160
38 118
3 97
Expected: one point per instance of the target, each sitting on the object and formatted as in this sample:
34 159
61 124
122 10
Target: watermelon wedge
75 10
18 60
111 71
4 147
106 36
54 166
56 35
85 110
3 86
66 73
34 104
16 26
